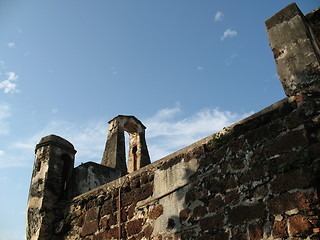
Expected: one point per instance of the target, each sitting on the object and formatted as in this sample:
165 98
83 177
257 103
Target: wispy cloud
2 65
167 131
11 44
3 179
200 68
89 139
114 70
218 16
54 110
9 85
27 53
228 34
5 112
231 58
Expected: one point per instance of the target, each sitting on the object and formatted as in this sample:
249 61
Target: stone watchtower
114 155
50 184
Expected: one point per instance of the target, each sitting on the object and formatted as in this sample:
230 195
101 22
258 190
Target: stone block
232 197
212 223
291 180
279 229
221 235
241 214
113 219
215 204
108 207
289 201
237 163
147 231
257 172
104 223
238 234
255 232
134 226
92 214
184 214
298 225
156 212
136 195
287 142
89 228
199 211
131 211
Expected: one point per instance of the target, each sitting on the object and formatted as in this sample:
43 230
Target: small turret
50 184
114 155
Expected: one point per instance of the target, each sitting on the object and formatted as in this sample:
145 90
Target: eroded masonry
256 179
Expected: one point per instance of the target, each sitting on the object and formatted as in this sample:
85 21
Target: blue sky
185 68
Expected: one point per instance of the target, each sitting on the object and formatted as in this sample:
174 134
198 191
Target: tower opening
65 176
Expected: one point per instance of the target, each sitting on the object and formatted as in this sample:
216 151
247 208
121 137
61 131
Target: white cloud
54 110
89 139
231 58
8 85
2 65
218 16
5 112
200 68
228 34
11 44
114 70
27 53
3 179
166 135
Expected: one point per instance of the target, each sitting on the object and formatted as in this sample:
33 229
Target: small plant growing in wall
219 139
300 161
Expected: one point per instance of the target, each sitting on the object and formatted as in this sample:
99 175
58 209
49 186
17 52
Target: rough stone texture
256 179
156 212
255 232
289 201
49 188
299 225
279 229
241 214
297 51
90 175
211 223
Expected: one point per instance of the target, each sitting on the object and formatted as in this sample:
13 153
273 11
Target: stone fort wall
256 179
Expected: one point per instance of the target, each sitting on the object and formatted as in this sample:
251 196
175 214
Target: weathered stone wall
90 175
295 43
258 179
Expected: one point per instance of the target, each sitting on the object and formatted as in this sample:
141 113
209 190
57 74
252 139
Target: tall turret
50 184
